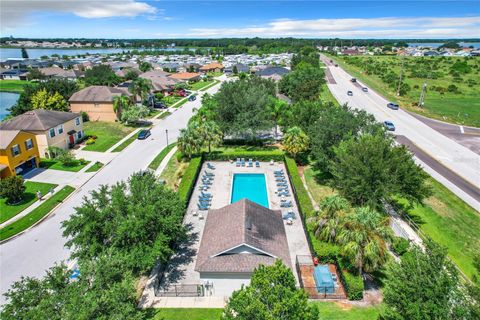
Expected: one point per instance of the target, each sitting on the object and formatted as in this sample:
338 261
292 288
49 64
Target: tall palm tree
328 221
295 141
189 142
210 133
140 87
276 109
120 103
364 237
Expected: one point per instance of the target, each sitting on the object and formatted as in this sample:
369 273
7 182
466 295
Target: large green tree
304 83
371 169
242 107
328 221
44 100
189 141
101 75
140 220
301 114
364 236
12 188
306 54
295 141
271 295
424 285
140 87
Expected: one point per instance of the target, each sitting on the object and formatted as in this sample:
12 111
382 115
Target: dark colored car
389 125
192 98
392 106
365 89
159 105
354 80
336 65
349 93
144 134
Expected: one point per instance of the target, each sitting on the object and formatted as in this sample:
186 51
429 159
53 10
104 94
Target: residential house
18 152
212 67
274 73
97 102
60 73
236 239
51 128
239 66
186 76
170 66
14 74
161 80
190 67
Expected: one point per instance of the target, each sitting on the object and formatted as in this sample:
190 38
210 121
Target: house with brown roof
212 67
161 80
97 102
236 239
51 128
186 76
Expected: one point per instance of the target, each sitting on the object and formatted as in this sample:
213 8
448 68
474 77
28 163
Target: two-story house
18 152
51 128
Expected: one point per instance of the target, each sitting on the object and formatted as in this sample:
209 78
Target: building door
71 139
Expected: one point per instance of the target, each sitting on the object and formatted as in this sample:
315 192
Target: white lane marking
461 130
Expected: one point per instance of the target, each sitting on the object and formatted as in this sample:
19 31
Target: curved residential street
447 153
36 250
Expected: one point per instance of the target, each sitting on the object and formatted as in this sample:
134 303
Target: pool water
252 186
323 279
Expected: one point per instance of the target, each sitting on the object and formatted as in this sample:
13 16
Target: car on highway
349 93
354 80
365 89
336 65
144 134
392 106
389 125
192 98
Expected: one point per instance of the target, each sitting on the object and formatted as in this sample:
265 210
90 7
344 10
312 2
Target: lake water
8 53
7 100
435 45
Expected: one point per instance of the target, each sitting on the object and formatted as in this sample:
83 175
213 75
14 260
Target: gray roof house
275 73
238 238
240 68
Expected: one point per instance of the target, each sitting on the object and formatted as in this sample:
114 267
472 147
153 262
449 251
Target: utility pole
421 102
401 76
166 133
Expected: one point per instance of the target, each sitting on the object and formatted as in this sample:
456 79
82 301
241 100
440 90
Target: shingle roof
270 71
98 94
38 120
184 75
213 65
6 137
242 224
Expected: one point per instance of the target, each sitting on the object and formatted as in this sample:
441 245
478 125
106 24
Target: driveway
32 253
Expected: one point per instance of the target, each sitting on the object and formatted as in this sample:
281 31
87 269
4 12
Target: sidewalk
165 160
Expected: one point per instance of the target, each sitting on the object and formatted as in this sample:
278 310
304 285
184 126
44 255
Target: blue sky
213 19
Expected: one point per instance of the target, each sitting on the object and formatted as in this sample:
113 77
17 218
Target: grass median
159 158
96 166
36 215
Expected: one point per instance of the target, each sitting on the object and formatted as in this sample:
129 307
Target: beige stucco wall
96 111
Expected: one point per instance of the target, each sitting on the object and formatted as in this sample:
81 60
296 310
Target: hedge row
276 155
304 202
189 177
353 285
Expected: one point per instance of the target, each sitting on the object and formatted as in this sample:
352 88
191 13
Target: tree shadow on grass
404 209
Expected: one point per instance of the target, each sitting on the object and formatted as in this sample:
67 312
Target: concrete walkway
165 161
32 207
75 179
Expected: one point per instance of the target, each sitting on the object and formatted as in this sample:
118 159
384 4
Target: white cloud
16 13
387 27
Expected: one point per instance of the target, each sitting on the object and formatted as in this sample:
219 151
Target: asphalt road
33 252
457 158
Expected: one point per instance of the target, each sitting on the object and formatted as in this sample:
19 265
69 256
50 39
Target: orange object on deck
315 261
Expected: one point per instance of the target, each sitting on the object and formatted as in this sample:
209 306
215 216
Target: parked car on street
365 89
349 93
159 105
144 134
192 98
392 106
336 65
389 125
354 80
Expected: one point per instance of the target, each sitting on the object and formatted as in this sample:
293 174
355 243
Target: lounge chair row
241 163
205 199
282 183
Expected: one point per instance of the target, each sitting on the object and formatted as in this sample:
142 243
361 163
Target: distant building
240 68
185 76
274 73
18 153
212 67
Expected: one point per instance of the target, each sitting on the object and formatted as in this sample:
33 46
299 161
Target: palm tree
295 141
364 237
329 219
276 109
140 87
210 133
120 103
189 142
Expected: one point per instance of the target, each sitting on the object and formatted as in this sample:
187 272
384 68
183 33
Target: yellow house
18 152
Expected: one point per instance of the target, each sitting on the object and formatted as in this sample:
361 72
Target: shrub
303 200
400 246
189 177
90 141
85 117
325 251
353 285
67 158
12 188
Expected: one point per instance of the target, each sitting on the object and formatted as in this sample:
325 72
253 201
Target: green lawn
36 214
9 211
13 85
57 165
200 85
164 115
318 191
180 103
159 158
451 222
327 96
211 85
96 166
184 314
173 171
125 143
339 311
107 133
462 108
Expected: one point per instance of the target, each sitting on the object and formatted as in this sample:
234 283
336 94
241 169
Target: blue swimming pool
323 279
252 186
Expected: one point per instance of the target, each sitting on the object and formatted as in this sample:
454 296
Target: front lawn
210 85
13 85
107 133
57 165
180 103
184 313
36 214
8 211
125 143
200 85
344 311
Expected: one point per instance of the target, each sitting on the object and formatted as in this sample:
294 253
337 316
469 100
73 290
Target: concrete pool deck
181 268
